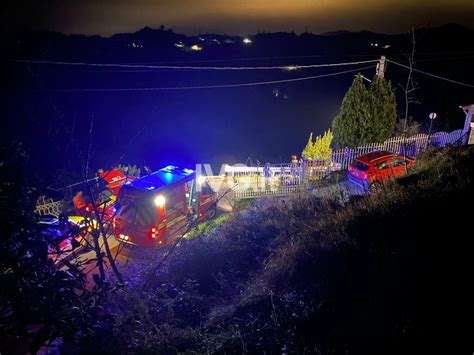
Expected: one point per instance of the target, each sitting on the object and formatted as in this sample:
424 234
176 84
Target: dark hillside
388 273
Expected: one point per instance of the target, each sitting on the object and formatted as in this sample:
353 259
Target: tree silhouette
366 115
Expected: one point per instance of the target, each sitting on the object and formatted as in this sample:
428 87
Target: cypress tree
366 116
347 126
384 110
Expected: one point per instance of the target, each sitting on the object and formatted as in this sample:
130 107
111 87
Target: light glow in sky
106 17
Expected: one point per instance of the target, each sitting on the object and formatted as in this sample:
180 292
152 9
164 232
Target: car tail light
153 233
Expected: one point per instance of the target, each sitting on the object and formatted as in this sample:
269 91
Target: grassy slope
387 273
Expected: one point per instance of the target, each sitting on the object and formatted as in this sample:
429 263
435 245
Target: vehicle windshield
360 166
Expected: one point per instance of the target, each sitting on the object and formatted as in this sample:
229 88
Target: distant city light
179 45
291 67
247 40
196 47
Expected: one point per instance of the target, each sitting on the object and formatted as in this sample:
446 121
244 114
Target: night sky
106 17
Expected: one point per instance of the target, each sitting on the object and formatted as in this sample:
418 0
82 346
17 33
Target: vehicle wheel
212 213
376 187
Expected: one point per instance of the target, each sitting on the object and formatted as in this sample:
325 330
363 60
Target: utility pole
381 66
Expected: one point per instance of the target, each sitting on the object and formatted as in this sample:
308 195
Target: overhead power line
249 59
142 66
432 75
241 59
214 86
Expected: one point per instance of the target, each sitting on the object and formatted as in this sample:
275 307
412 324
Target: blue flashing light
168 176
169 168
164 177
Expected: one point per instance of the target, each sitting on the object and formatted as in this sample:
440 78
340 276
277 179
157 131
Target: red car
373 169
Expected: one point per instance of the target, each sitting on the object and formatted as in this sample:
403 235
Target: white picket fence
266 180
274 179
285 179
411 146
267 191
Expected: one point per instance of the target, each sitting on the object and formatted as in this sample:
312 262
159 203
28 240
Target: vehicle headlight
160 201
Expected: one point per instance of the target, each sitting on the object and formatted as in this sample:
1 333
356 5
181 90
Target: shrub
320 149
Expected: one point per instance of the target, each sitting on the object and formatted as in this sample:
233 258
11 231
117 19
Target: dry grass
384 273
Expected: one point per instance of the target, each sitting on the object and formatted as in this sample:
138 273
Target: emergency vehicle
114 180
159 207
